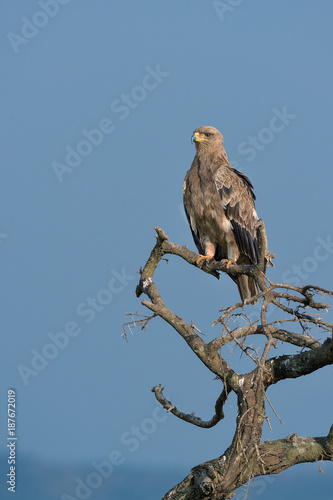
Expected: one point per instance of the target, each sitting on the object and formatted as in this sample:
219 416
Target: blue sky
99 101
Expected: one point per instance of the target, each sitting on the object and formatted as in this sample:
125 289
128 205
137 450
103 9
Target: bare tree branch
293 366
278 333
209 357
138 320
274 457
191 418
247 456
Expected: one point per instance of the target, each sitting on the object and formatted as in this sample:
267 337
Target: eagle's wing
191 221
237 198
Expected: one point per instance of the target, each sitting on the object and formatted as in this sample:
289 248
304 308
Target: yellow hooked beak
196 137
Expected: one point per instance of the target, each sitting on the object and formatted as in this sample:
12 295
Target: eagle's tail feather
247 286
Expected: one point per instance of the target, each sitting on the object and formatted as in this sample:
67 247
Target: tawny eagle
220 209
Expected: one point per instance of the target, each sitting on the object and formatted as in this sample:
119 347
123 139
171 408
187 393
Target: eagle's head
207 137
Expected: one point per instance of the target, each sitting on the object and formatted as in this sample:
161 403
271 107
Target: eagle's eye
207 134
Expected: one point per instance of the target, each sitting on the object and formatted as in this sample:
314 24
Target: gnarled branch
247 456
191 418
293 366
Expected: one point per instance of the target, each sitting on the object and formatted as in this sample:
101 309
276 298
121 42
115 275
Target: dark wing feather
247 182
195 233
194 230
237 197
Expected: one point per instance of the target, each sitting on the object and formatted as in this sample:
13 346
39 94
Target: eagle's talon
203 259
227 262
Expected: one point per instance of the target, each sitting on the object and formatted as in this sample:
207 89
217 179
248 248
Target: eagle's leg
209 253
233 255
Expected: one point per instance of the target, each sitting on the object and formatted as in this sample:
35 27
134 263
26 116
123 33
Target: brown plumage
219 206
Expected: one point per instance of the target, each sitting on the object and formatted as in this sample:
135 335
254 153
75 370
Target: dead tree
246 457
